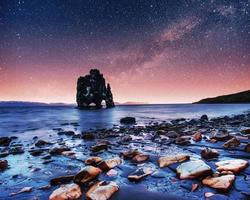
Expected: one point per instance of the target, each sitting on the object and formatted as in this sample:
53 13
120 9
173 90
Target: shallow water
40 120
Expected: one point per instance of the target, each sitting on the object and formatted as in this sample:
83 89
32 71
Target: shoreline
35 162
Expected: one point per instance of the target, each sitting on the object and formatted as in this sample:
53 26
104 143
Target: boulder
222 182
3 165
130 154
172 134
99 147
234 165
208 153
66 192
41 143
109 164
92 89
70 154
222 135
140 158
232 143
139 174
67 133
94 160
182 140
246 131
197 137
5 141
168 160
204 118
247 148
58 150
102 190
193 169
61 179
87 174
127 120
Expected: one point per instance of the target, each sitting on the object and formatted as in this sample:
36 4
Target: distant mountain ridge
240 97
28 103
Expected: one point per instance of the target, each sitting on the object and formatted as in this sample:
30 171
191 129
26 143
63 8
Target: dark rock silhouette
241 97
92 89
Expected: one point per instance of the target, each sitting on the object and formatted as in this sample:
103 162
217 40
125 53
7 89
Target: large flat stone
193 169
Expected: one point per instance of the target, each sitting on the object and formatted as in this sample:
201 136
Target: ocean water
28 121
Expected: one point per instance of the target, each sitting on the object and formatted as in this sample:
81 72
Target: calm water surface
39 120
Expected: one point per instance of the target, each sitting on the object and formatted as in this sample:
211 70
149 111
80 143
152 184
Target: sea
42 120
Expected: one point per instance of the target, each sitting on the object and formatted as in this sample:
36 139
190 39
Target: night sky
158 51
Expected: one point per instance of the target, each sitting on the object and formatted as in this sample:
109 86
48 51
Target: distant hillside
28 104
241 97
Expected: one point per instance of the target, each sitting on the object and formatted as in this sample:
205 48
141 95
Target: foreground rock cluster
196 159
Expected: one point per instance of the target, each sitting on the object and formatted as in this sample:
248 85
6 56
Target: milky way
150 51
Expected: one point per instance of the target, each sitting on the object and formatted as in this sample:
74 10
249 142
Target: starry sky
155 51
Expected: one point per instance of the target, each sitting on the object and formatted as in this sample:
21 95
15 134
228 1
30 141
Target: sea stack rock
92 89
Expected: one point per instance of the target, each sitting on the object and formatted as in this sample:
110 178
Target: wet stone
87 174
193 169
140 158
168 160
102 190
208 153
94 160
221 135
58 150
41 143
139 174
61 179
66 192
99 147
222 182
5 141
247 148
197 137
109 164
128 120
183 140
232 143
3 165
67 133
234 165
130 154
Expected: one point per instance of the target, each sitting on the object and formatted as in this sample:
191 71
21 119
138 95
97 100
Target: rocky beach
201 158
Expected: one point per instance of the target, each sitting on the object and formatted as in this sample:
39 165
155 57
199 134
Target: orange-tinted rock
102 190
222 182
168 160
66 192
235 165
87 174
109 164
197 137
193 169
94 160
140 158
130 154
208 153
232 143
